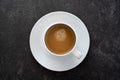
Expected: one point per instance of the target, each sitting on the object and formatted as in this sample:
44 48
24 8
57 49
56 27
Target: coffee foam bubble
60 35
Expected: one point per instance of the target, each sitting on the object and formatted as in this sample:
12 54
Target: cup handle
77 53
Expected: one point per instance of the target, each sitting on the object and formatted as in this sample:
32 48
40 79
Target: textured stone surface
101 17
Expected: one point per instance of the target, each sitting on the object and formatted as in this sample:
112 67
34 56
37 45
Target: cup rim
67 53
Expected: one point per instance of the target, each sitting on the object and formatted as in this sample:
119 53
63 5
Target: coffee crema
60 39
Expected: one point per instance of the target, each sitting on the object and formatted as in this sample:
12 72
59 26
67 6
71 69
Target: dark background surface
102 18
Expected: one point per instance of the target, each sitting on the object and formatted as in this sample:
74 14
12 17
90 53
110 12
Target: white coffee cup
73 51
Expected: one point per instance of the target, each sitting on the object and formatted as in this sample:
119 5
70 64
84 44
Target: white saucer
60 63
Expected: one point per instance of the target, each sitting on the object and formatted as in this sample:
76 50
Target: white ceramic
73 51
41 54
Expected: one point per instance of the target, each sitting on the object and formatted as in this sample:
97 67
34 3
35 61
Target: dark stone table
102 18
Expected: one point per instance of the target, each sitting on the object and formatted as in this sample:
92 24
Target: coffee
60 39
